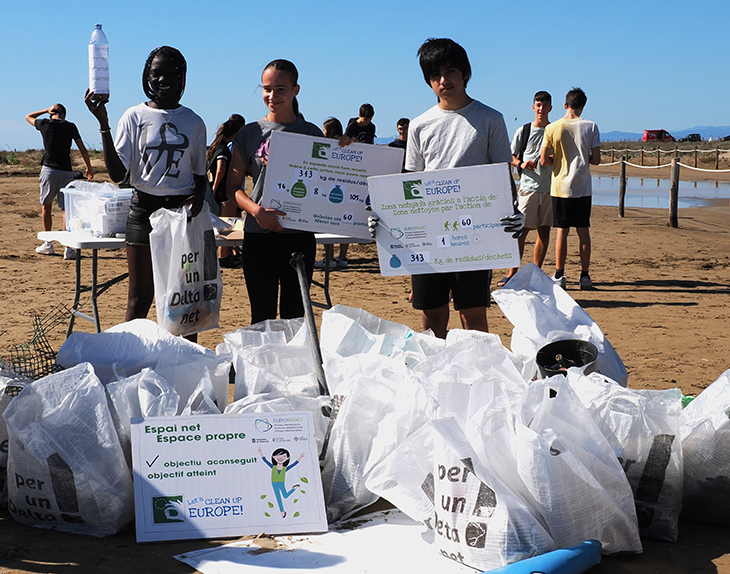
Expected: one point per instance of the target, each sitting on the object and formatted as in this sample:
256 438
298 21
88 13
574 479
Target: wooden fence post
676 151
695 157
717 158
658 156
622 189
611 155
641 156
674 194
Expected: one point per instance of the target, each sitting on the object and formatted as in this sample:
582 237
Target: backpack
523 144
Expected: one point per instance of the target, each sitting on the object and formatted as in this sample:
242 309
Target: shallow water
651 192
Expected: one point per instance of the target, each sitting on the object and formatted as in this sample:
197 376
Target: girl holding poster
271 281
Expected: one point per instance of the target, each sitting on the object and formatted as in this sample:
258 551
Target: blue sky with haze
643 64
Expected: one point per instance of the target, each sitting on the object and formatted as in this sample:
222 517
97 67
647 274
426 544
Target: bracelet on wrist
106 131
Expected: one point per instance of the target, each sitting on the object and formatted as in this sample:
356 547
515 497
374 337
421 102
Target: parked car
657 135
725 139
691 138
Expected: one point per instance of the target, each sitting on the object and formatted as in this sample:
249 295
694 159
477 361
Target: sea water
652 192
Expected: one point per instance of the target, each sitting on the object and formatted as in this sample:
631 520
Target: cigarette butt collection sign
321 186
443 220
226 475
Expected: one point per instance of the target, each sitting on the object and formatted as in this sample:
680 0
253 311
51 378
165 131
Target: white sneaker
69 253
561 282
45 248
320 264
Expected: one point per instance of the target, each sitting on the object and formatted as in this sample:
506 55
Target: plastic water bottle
99 63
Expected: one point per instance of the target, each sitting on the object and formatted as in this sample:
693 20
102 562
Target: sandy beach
661 297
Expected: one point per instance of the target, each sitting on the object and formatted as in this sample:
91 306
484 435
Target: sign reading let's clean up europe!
226 475
444 220
321 186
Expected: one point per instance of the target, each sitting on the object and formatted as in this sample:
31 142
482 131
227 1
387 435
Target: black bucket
557 357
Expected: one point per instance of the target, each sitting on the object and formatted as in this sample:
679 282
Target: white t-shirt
539 179
473 135
571 141
162 149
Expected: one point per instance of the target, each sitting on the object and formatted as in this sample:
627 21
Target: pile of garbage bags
459 434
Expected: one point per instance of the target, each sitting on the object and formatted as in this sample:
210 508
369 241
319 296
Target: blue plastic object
573 560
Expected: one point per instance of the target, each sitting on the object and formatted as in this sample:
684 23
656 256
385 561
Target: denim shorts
141 207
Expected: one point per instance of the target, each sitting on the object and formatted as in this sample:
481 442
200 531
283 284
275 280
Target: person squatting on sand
267 246
160 151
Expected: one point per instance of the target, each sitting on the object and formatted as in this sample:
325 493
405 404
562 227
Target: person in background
217 160
402 139
57 172
534 195
575 144
332 129
362 129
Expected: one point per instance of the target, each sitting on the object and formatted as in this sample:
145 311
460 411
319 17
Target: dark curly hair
180 65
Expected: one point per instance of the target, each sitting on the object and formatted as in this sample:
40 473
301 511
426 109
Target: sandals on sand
502 282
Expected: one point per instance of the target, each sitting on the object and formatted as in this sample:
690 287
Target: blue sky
643 64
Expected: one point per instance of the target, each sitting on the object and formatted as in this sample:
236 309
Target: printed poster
444 220
226 476
321 186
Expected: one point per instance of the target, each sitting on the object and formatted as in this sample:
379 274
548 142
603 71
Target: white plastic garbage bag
706 449
479 521
270 356
10 386
375 407
66 465
571 471
542 312
405 477
130 347
187 279
143 395
347 331
643 428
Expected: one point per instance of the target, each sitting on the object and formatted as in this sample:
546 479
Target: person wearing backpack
534 195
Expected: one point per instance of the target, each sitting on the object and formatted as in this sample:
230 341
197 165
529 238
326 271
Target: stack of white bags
459 434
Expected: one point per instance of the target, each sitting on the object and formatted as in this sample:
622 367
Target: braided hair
177 59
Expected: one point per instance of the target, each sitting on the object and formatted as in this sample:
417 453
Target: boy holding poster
457 132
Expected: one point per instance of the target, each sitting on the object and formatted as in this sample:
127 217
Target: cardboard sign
321 186
226 475
444 220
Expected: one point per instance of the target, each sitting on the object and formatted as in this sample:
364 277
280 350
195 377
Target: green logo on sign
412 189
167 509
299 190
320 150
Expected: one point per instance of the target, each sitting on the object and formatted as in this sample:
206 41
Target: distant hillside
705 131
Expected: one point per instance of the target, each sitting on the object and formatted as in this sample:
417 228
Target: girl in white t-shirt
160 152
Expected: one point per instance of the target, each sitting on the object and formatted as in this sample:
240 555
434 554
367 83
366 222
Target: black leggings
267 270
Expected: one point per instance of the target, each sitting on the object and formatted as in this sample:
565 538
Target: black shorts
469 288
141 207
572 211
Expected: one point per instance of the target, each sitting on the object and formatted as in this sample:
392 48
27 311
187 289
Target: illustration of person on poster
279 465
